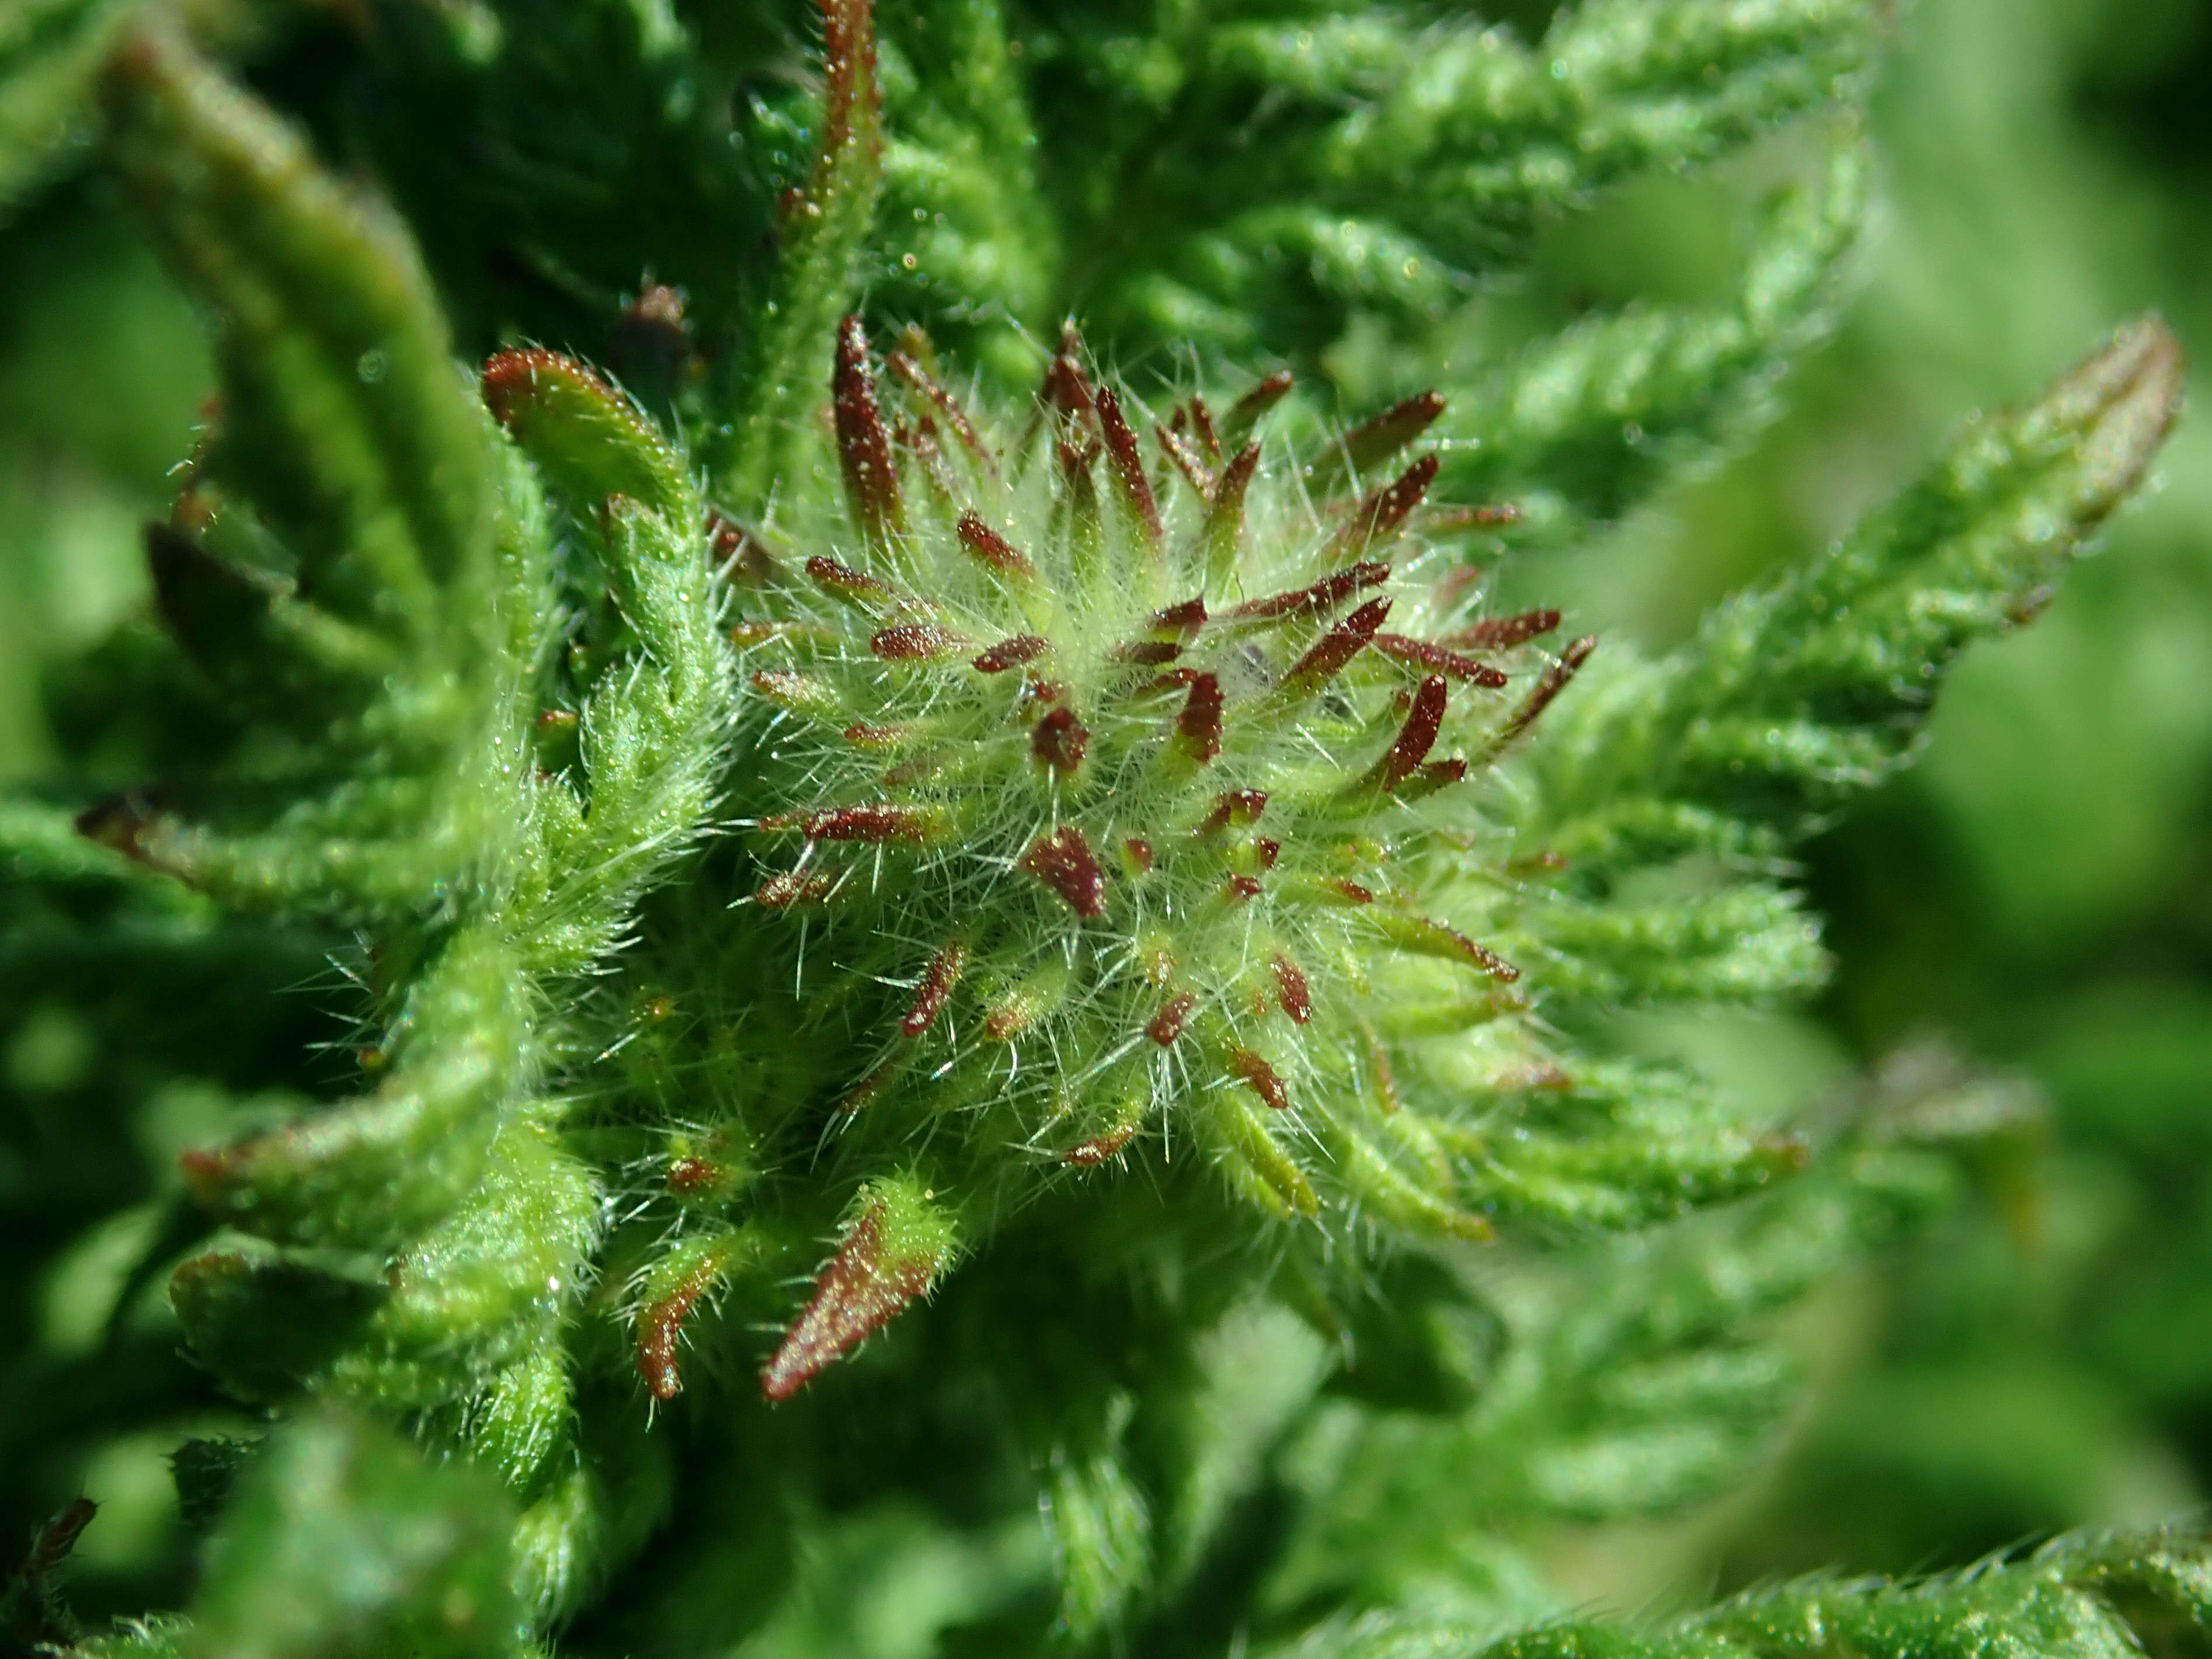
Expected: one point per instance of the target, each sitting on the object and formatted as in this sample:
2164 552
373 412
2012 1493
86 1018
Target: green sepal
823 225
588 438
286 661
342 1542
264 1326
1827 673
486 1287
373 1173
343 421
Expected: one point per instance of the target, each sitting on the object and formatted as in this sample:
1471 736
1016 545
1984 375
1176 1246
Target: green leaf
1585 423
1800 691
50 51
341 1541
823 224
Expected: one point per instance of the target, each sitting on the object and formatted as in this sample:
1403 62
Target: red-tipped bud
1421 937
1127 464
919 380
1378 518
679 1285
1418 736
1063 861
938 981
993 549
1198 727
1323 597
1246 412
1202 424
1067 389
876 825
1420 653
1059 741
1100 1148
1239 807
1164 1027
591 440
1334 649
1503 632
915 642
794 888
864 445
1185 458
1540 697
1373 442
854 587
1011 653
891 1254
1255 1074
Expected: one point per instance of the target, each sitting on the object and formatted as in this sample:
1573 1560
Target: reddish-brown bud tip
661 1324
1059 741
1336 648
1165 1026
1198 727
1099 1149
915 642
509 378
873 824
782 892
1063 861
855 1295
1255 1074
688 1177
1503 632
993 549
1418 736
1011 653
1239 807
938 981
1420 653
1128 464
864 444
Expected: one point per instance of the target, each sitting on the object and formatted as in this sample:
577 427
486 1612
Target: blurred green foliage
2038 891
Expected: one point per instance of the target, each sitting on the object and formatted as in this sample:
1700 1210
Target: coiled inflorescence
1101 790
1141 760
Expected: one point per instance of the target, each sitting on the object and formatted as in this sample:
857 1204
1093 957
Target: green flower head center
1129 783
